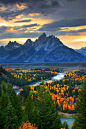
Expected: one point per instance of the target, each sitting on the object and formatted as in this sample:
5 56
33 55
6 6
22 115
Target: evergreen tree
4 99
29 107
46 114
80 120
16 104
65 125
4 114
11 121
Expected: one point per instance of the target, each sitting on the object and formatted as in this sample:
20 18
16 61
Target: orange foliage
21 89
27 125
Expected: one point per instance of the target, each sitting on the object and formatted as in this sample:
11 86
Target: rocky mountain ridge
44 49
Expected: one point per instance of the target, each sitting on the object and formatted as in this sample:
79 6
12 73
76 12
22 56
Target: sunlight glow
73 28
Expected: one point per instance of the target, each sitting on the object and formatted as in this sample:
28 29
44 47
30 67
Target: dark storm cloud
39 3
23 21
33 6
63 23
12 1
55 3
6 14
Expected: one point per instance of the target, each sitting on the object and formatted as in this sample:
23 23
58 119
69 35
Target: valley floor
63 65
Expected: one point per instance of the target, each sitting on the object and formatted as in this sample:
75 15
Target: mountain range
82 51
43 49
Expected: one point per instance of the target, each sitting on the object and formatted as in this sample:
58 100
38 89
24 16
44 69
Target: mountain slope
82 51
44 49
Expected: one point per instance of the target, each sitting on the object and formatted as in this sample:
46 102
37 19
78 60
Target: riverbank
62 114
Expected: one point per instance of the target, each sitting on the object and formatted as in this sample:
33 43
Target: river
58 77
69 120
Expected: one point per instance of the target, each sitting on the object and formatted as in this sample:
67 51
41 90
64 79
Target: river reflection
69 120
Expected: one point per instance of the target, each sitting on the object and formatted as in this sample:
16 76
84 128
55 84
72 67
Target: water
17 91
55 78
69 120
59 76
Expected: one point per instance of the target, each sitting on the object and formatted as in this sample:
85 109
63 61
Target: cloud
55 3
18 35
34 6
63 23
31 25
37 3
22 21
12 1
71 0
3 29
12 14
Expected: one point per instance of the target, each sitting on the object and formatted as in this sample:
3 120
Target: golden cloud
73 28
72 41
33 14
21 6
3 8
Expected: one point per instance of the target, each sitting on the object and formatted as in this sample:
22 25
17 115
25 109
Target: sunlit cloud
73 28
1 19
33 14
21 6
19 16
11 30
74 41
41 21
3 8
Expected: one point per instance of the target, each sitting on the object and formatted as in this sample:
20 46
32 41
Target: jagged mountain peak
12 45
28 42
42 36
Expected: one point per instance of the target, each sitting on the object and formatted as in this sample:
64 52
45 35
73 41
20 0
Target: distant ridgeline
44 49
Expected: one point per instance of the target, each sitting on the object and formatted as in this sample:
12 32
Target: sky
23 19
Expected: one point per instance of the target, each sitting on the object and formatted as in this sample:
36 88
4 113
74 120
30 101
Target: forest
38 107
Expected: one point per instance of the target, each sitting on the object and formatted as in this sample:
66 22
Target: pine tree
16 104
11 121
4 99
65 125
80 120
29 107
47 115
5 109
